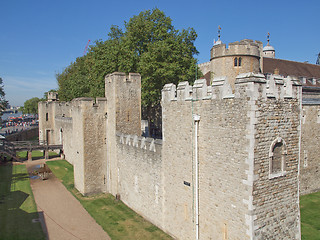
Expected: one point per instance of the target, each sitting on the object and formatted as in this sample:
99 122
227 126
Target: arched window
277 158
235 62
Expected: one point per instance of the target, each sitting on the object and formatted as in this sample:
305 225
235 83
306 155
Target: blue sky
39 38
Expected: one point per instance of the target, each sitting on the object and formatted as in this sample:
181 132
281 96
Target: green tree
149 45
3 101
31 106
162 54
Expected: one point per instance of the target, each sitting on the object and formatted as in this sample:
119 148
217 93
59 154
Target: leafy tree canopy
31 105
149 45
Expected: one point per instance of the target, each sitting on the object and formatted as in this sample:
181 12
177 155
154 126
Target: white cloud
20 89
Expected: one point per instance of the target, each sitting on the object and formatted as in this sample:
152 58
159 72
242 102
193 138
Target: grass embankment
119 221
17 205
36 154
310 216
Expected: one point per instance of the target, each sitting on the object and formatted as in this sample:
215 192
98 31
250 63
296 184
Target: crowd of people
17 124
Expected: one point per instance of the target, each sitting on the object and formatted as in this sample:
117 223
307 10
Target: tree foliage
3 101
149 45
31 105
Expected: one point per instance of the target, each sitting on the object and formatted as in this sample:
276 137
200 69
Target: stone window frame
282 172
237 61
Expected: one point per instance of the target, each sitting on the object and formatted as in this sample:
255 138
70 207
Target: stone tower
242 150
238 57
123 95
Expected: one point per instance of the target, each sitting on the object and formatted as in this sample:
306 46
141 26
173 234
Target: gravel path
63 216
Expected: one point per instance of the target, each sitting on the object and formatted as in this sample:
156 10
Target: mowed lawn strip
35 154
119 221
310 216
17 205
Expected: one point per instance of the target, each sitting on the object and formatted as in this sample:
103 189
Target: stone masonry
247 144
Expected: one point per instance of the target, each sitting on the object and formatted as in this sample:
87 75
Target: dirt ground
61 215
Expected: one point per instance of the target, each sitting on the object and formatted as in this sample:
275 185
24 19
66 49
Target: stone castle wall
221 190
275 195
229 163
80 126
310 149
239 129
48 111
140 175
252 147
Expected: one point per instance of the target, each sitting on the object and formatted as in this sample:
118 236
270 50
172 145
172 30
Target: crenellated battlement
274 86
132 77
205 67
148 144
245 47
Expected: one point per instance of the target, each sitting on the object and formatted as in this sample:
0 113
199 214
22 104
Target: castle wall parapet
245 47
139 167
274 86
149 144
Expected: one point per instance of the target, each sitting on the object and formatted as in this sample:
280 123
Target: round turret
238 57
268 51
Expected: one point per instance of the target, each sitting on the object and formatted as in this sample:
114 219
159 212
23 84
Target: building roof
286 68
268 48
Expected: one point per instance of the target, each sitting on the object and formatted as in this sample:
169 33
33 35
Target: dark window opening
237 61
277 158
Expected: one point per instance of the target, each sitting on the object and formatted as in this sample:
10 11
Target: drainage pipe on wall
196 119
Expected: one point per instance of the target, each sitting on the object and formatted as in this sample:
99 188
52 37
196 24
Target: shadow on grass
18 215
118 220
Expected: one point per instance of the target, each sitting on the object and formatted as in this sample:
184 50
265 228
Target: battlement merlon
245 47
52 96
149 144
274 87
132 77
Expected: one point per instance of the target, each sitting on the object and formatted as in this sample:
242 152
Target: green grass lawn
36 154
119 221
310 216
17 205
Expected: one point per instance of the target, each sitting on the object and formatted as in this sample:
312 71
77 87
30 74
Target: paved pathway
64 217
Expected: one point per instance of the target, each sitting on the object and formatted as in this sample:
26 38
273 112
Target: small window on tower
277 158
47 116
235 62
